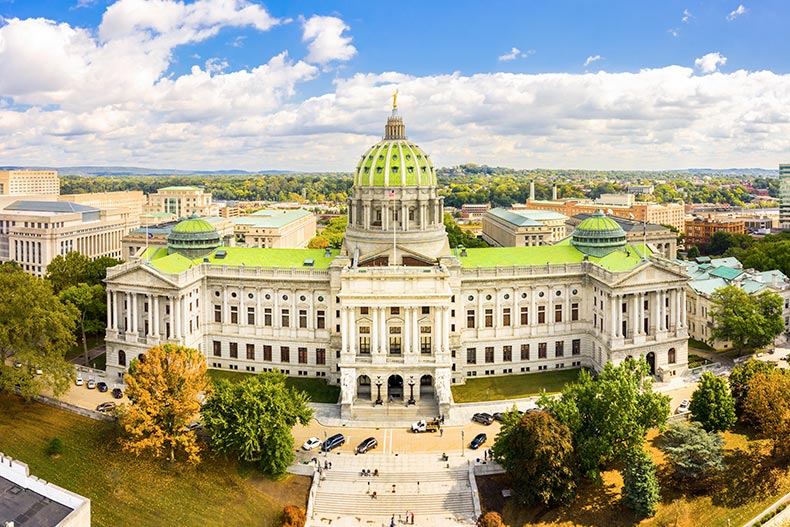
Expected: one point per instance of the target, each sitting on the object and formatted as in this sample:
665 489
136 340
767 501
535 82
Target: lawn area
318 390
739 495
129 491
513 386
694 343
93 341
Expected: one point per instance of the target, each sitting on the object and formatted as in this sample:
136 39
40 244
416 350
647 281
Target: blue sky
305 85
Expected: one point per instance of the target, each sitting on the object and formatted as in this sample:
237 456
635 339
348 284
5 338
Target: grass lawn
128 491
739 495
513 386
93 341
318 390
695 360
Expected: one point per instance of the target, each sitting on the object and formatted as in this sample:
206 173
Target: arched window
121 358
671 356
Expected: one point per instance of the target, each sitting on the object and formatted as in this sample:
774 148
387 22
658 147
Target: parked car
194 425
117 393
79 381
684 406
483 418
102 386
106 407
368 444
311 443
91 384
425 426
477 441
333 442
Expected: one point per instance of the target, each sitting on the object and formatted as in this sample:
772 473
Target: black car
333 442
483 418
117 393
498 416
102 386
368 444
477 441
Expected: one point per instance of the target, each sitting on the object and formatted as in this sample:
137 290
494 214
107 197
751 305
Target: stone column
415 337
613 315
618 315
150 314
177 322
156 316
439 325
383 330
446 336
109 311
683 307
635 315
407 329
352 330
343 329
134 312
374 330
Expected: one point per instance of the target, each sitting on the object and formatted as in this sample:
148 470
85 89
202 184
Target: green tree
91 304
457 236
536 451
36 331
66 271
742 374
694 454
609 415
748 321
640 484
163 388
252 420
712 404
693 252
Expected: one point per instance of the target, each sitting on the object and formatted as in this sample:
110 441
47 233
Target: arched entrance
426 387
395 386
363 387
651 362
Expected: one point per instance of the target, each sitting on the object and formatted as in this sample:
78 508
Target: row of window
285 353
285 317
507 351
488 315
525 369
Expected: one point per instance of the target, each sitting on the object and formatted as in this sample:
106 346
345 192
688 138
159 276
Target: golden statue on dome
395 99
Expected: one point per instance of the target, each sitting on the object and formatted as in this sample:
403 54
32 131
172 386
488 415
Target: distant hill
139 171
761 172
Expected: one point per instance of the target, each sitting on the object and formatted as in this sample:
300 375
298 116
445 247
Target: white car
684 406
79 381
91 384
311 443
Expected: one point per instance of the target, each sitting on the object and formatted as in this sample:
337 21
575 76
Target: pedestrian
390 397
393 488
330 465
406 519
368 491
418 487
374 495
441 432
485 454
392 521
412 518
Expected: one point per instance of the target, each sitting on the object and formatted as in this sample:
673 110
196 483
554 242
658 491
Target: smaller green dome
193 224
193 238
598 235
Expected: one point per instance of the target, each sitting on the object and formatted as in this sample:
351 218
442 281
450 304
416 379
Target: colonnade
407 319
666 312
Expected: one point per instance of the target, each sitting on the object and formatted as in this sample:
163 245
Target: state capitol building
397 311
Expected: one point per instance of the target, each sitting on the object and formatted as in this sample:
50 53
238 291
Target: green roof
561 253
193 225
600 223
727 273
395 163
270 218
249 257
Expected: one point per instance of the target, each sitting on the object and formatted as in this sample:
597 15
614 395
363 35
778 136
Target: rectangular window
267 353
489 318
489 354
234 314
542 350
250 351
320 319
394 311
471 355
576 347
425 345
524 316
364 345
285 317
320 356
217 313
364 310
285 354
217 348
559 349
470 319
574 311
267 316
558 313
234 350
395 330
364 330
395 345
302 318
302 355
425 329
541 314
251 316
506 316
525 352
507 353
426 310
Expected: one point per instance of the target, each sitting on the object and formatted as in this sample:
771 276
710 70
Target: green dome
193 238
193 224
395 163
598 235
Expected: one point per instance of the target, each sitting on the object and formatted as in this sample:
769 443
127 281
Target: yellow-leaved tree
163 387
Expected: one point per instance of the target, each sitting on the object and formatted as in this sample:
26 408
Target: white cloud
687 16
514 54
326 43
216 65
740 10
591 59
710 62
674 31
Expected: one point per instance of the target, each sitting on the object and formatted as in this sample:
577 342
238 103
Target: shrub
55 447
293 516
490 519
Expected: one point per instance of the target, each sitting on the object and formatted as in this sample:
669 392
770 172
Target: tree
91 303
66 271
252 420
694 454
490 519
750 322
742 374
36 332
693 252
609 416
537 454
163 387
767 406
640 484
457 236
712 404
293 516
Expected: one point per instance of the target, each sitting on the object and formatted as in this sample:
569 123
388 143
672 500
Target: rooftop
50 206
526 217
270 218
627 224
238 256
28 508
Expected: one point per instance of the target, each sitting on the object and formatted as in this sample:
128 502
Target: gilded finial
395 99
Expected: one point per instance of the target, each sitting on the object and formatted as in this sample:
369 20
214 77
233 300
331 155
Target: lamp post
378 385
462 443
411 390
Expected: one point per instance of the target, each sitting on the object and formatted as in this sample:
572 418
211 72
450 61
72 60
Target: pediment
653 273
140 275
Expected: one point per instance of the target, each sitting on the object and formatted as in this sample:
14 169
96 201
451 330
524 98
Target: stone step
459 505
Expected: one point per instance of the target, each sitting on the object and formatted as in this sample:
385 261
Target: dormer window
411 170
394 157
394 169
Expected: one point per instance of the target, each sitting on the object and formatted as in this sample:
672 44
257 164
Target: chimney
532 190
554 192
